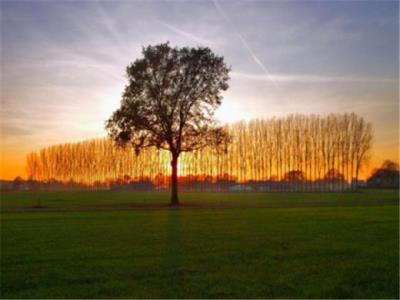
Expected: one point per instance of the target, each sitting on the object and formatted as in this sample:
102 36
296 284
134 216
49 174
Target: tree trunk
357 172
174 181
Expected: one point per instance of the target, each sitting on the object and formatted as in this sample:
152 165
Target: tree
169 103
363 143
17 183
294 176
310 144
390 166
387 176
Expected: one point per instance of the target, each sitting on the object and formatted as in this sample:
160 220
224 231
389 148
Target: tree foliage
169 103
170 100
387 176
303 148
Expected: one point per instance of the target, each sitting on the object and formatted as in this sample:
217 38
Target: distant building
358 183
135 186
241 187
6 185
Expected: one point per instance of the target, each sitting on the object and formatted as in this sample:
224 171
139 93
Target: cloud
303 78
245 44
12 130
186 34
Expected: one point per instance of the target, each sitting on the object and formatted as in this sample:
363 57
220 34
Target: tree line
305 151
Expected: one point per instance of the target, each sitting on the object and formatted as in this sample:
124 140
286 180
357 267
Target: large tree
169 103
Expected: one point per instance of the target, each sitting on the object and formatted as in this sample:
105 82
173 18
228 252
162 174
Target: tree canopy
170 100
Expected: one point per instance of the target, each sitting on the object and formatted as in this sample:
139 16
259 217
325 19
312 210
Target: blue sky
63 62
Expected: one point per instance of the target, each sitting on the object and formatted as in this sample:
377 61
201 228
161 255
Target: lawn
241 245
113 200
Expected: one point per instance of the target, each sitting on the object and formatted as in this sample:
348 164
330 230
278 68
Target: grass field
241 245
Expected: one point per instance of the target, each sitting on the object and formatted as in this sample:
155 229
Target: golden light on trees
297 147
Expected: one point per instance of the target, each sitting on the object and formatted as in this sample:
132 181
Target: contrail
244 42
307 78
186 34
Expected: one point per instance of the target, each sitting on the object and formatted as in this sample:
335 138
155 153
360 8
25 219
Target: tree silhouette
169 103
387 176
294 176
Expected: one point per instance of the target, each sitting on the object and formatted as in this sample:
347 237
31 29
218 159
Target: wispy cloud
186 34
112 31
63 63
303 78
245 44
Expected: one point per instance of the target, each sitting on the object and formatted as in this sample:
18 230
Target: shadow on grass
174 255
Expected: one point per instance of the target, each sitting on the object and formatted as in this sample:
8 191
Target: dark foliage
387 176
169 103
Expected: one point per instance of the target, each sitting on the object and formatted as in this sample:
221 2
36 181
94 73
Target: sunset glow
199 149
63 65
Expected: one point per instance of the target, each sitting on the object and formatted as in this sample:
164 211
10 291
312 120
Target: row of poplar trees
307 148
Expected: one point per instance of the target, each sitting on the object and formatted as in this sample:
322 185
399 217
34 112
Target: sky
63 63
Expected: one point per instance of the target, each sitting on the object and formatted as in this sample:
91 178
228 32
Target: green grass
289 246
123 200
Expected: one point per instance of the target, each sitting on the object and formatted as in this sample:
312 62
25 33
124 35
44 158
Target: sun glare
110 100
230 112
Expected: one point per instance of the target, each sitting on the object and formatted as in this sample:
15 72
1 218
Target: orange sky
13 162
63 64
12 168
